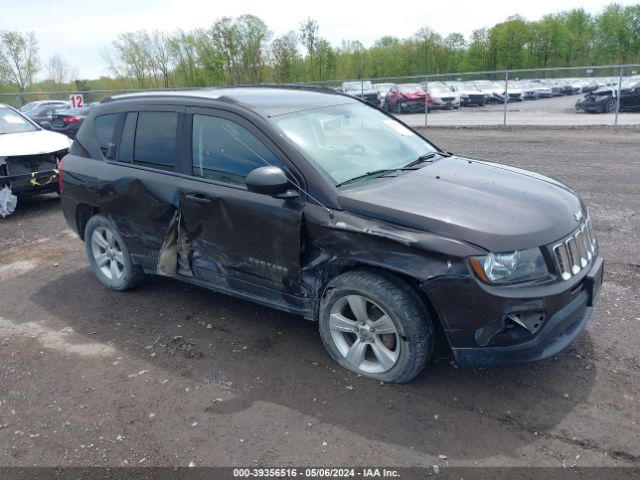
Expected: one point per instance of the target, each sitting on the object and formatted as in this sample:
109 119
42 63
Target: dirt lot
170 374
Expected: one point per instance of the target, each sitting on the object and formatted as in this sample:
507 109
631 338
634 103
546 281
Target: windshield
29 106
410 89
383 87
346 141
74 111
357 86
12 122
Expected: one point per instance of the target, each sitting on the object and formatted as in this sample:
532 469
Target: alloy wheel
107 253
364 334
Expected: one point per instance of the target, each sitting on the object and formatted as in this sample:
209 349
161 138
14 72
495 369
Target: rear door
239 238
142 194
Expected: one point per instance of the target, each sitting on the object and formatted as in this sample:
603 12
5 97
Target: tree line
244 50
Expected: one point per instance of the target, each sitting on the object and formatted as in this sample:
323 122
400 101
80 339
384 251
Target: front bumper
31 182
567 307
592 105
473 100
412 106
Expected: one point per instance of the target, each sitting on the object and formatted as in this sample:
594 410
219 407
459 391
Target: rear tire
375 325
109 256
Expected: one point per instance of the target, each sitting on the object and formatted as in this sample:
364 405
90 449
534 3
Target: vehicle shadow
263 355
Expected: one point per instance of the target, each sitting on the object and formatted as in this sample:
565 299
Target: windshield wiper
426 157
375 173
384 171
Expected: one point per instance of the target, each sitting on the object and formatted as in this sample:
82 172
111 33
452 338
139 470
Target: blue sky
80 30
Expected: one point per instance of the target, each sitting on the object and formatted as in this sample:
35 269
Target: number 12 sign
76 100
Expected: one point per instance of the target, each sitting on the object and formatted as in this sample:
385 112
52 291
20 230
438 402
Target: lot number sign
76 101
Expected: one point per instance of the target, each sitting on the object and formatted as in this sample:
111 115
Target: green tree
19 61
476 57
615 35
507 43
286 58
253 35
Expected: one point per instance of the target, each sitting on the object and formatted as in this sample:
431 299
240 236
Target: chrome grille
576 251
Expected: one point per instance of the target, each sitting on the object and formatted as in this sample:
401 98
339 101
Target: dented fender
341 239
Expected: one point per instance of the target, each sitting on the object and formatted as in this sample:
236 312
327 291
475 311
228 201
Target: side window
105 128
155 140
125 152
225 151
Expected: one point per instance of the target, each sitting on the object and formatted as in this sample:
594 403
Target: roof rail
283 86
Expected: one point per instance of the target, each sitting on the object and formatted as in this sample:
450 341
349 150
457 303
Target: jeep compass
316 203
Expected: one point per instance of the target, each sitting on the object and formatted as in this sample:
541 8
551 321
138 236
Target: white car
29 155
443 97
470 95
383 89
497 90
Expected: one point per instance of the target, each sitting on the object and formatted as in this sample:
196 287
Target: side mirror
270 181
45 125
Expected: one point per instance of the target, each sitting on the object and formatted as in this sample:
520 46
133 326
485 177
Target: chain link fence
580 96
605 95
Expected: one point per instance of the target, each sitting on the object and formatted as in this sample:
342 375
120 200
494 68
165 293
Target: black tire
126 278
610 106
414 339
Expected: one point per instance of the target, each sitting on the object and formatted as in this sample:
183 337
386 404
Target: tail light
71 119
60 174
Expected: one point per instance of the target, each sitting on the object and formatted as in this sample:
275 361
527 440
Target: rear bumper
69 131
466 317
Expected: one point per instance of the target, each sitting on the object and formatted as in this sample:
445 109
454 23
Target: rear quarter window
105 126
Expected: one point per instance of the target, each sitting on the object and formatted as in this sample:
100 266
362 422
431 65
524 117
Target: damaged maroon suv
315 203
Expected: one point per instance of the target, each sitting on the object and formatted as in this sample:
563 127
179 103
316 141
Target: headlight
510 267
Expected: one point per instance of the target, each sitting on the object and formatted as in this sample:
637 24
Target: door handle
198 198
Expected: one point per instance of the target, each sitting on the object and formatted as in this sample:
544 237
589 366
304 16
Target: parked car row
412 97
56 115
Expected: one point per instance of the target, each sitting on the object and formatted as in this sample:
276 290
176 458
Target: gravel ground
171 374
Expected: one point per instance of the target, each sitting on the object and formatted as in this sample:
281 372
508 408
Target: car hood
497 207
604 91
32 143
413 96
469 91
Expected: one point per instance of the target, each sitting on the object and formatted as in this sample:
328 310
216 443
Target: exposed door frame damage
174 257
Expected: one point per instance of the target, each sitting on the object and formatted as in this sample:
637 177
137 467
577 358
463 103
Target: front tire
376 326
109 256
610 106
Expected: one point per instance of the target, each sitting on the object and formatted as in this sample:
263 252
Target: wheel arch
84 212
339 267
